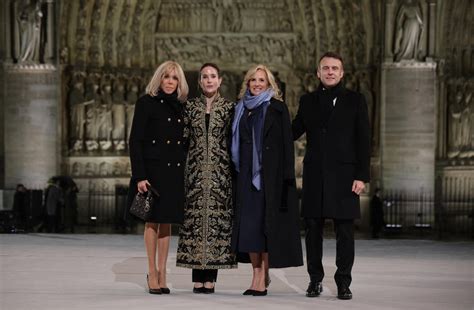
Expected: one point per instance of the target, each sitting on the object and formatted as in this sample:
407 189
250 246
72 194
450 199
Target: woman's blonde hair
154 85
271 80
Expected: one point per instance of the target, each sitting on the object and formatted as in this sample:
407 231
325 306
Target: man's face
330 71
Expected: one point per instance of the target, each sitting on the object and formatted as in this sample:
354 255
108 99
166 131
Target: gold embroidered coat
205 236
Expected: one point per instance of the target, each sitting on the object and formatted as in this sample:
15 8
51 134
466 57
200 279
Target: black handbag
143 203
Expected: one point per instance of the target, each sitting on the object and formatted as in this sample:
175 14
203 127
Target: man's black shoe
314 289
344 293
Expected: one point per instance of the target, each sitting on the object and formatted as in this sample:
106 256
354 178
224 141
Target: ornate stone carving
77 107
100 111
408 28
118 114
28 24
91 167
234 50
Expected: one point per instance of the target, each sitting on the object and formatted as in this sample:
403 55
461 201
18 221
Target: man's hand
358 186
142 186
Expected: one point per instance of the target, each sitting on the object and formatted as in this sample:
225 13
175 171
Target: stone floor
52 271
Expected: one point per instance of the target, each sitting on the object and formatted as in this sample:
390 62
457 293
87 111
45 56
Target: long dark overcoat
205 236
157 154
336 154
281 207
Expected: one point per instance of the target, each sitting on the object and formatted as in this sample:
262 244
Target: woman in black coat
157 156
266 216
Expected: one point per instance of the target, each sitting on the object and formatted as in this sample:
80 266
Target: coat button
179 142
161 100
153 142
169 119
169 164
178 164
179 120
168 142
267 147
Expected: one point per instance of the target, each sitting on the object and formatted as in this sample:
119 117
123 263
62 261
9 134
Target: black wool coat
157 154
336 154
281 205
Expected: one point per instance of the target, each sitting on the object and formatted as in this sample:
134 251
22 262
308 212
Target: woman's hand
142 186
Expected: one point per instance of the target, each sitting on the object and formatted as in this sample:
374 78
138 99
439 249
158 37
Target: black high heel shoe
259 293
165 290
248 292
155 291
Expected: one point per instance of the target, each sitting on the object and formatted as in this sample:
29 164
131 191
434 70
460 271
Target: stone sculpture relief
118 114
460 135
28 26
97 166
408 28
237 50
100 111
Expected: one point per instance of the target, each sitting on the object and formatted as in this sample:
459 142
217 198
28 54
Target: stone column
408 126
31 126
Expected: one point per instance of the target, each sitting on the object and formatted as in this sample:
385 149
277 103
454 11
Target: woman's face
210 81
258 83
169 83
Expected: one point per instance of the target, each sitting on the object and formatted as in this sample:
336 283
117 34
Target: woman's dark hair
210 64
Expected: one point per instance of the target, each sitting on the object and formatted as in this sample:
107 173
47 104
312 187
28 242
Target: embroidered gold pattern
205 236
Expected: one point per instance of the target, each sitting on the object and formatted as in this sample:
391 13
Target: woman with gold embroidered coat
205 237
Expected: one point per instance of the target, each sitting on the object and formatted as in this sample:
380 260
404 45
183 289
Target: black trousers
204 275
344 230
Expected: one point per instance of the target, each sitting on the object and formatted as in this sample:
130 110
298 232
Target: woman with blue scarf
265 229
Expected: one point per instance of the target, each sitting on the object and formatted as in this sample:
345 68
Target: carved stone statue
454 122
465 123
132 97
104 116
27 29
92 95
118 115
409 25
77 107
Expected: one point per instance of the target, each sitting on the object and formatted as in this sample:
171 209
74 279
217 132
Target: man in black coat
336 166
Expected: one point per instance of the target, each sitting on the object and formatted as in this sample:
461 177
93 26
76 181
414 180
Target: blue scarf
250 102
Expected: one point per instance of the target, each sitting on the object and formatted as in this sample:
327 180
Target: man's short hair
331 55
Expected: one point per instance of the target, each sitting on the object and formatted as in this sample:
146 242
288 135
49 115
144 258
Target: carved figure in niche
454 122
104 115
90 169
104 169
76 169
77 107
118 114
232 17
117 168
132 97
466 124
409 25
93 97
28 28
